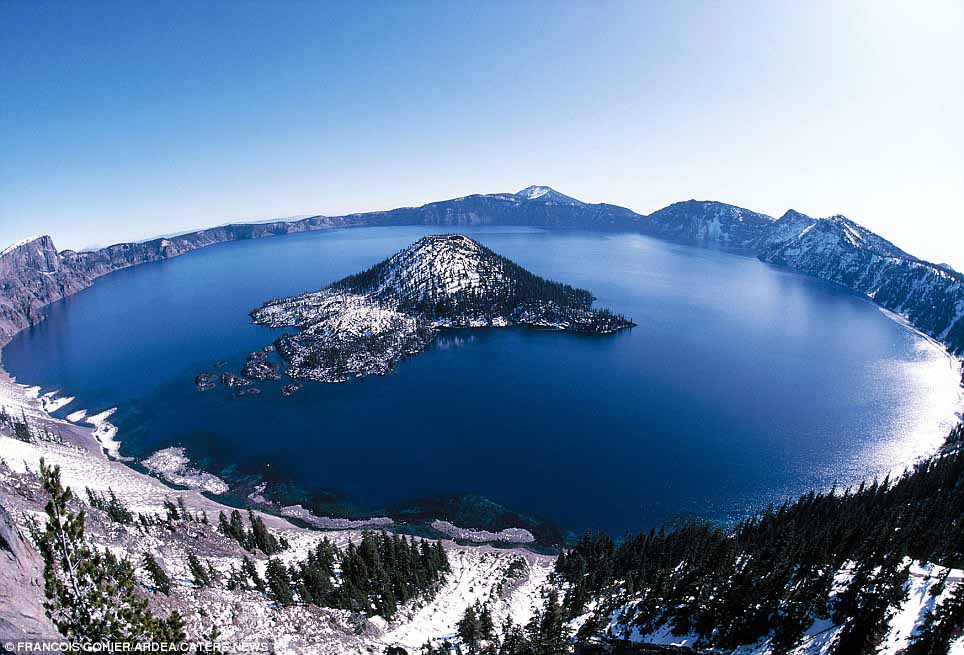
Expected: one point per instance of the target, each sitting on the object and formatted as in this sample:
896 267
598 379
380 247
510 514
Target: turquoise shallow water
742 383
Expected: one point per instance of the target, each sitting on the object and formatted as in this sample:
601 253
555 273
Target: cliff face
21 585
33 275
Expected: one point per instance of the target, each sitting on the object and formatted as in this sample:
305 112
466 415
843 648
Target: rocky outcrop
21 585
173 465
258 366
33 275
508 535
233 381
205 381
328 523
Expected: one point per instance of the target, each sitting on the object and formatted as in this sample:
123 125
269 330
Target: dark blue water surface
742 383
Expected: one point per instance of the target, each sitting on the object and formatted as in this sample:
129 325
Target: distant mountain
836 249
707 221
366 323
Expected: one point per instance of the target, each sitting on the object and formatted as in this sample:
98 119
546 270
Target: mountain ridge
837 249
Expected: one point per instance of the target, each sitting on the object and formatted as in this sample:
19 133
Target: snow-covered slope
927 587
509 580
437 266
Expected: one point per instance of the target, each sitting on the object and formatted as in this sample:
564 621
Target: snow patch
533 192
76 417
172 465
51 403
105 431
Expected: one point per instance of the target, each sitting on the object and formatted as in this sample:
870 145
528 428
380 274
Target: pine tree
110 504
469 630
171 509
21 428
432 648
514 641
202 576
260 537
248 567
162 582
279 584
182 509
90 594
865 606
940 626
547 630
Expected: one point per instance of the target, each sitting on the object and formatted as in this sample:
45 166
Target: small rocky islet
257 367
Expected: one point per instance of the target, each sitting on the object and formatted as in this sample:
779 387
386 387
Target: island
366 323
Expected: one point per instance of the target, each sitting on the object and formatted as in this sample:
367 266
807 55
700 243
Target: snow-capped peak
546 194
443 264
533 192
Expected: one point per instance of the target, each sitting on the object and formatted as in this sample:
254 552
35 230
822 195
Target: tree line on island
513 290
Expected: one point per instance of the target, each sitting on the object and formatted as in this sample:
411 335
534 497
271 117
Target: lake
741 384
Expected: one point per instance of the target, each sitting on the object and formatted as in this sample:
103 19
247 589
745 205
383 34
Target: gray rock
233 381
259 367
205 381
253 391
21 585
290 389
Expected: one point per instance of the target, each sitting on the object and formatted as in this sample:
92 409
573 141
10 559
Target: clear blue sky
125 120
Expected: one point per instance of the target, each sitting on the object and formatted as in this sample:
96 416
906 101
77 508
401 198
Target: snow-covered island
366 323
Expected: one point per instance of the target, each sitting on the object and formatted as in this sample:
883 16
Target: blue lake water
741 384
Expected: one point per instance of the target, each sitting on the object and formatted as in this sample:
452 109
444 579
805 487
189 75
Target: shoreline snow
508 535
105 432
172 465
